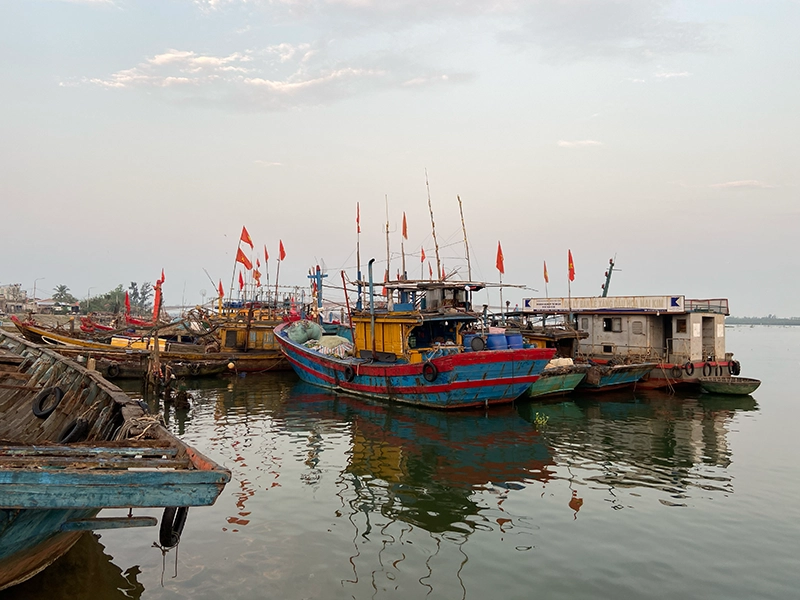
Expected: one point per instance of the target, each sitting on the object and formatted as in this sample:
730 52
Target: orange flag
281 251
245 237
241 258
422 256
546 278
571 267
499 262
405 228
220 290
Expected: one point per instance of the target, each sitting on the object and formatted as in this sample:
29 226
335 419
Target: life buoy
477 344
430 372
689 368
349 373
74 431
677 372
734 368
112 370
38 406
707 368
172 522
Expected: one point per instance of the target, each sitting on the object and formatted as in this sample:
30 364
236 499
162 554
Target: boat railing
715 305
627 351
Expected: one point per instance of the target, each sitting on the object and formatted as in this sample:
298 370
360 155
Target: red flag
258 262
257 276
157 302
430 270
245 237
546 278
422 256
241 258
266 255
220 290
444 273
405 228
499 262
385 279
127 303
241 281
358 217
571 267
162 275
281 252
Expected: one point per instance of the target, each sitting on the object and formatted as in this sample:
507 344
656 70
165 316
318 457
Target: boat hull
731 386
669 375
462 380
557 382
607 378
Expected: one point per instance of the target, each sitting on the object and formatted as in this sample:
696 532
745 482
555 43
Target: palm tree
61 294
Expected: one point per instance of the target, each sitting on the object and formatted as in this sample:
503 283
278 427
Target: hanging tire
38 405
349 373
430 372
677 372
194 369
707 369
172 522
734 368
689 368
718 370
112 371
75 431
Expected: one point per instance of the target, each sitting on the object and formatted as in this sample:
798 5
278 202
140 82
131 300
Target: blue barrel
467 338
514 339
496 341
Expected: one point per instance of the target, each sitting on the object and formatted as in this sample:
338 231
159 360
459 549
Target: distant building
13 299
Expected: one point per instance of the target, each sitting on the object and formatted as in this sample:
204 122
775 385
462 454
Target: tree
61 294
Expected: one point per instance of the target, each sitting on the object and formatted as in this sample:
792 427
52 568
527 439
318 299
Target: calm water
635 495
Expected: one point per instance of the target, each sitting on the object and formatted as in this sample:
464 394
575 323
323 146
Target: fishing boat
561 376
72 444
606 377
735 386
682 339
417 348
239 339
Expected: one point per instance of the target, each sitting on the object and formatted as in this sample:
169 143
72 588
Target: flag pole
433 227
466 243
388 255
403 247
359 303
235 257
277 277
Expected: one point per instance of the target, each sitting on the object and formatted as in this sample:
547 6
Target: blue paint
496 341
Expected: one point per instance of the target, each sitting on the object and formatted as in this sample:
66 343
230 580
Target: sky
137 136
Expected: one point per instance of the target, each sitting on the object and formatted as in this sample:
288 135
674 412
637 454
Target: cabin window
585 323
680 325
230 339
612 324
637 328
608 349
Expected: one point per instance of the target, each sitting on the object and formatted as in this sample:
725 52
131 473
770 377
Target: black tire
194 369
734 368
689 368
172 522
39 409
707 369
430 372
477 344
718 370
349 373
677 372
75 431
112 371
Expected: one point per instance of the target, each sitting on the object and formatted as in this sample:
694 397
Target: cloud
745 184
267 163
579 143
671 75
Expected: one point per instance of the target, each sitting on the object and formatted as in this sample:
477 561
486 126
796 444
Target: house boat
683 338
417 348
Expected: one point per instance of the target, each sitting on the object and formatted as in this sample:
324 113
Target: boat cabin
415 321
671 329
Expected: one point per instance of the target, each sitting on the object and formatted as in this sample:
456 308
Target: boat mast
358 255
466 243
388 256
433 227
608 276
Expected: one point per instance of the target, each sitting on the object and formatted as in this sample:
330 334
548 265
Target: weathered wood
108 523
158 449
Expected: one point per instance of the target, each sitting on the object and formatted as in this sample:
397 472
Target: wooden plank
85 450
95 462
99 523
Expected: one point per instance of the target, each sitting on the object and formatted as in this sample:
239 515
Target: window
585 323
612 324
608 349
637 328
680 325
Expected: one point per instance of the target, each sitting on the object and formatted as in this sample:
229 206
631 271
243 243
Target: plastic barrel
467 338
514 339
496 341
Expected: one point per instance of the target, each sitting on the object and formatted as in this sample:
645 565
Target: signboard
668 304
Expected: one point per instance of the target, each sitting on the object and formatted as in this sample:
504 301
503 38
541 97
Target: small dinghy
739 386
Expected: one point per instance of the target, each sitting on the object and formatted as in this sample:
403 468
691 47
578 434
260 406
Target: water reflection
86 571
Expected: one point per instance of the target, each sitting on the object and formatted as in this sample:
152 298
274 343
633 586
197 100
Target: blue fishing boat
72 444
420 347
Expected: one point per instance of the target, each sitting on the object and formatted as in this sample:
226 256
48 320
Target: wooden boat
558 379
412 351
239 341
606 377
72 444
738 386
